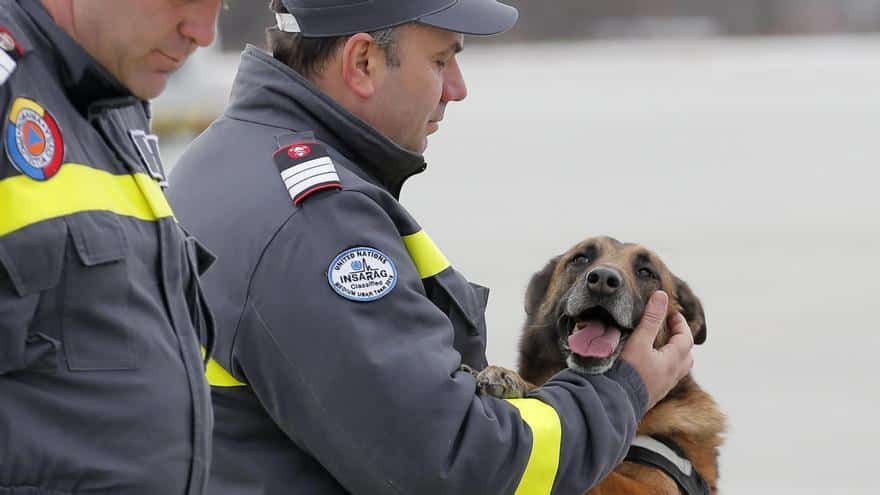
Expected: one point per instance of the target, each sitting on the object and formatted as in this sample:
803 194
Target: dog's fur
559 295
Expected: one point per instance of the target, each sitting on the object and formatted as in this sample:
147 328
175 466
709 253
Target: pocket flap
200 254
98 237
34 256
482 295
463 295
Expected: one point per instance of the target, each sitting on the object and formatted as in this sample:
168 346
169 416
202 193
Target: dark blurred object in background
246 21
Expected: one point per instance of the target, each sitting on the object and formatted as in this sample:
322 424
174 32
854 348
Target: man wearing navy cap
343 330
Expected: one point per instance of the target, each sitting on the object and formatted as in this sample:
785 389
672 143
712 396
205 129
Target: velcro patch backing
10 53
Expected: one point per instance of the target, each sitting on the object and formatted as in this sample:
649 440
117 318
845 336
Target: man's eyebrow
454 48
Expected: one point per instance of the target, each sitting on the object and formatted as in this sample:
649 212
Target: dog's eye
645 273
579 259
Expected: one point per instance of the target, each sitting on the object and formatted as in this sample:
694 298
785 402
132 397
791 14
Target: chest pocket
465 305
70 291
31 262
97 292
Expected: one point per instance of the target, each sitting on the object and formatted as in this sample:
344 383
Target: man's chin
417 147
148 85
412 143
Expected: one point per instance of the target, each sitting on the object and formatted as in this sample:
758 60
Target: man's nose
454 88
199 21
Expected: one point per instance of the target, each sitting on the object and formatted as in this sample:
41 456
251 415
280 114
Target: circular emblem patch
33 140
362 274
299 151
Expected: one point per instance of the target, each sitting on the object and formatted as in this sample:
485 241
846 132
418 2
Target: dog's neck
677 411
691 419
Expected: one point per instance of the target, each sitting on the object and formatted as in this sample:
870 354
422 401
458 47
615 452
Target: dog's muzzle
597 318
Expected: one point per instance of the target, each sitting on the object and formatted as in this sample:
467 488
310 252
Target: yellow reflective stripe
219 377
425 254
546 443
22 103
77 188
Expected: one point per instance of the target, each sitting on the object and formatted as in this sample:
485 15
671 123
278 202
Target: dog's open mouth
596 334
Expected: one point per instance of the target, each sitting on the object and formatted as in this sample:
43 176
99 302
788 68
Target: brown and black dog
580 309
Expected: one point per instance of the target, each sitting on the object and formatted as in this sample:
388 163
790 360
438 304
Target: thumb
652 320
680 336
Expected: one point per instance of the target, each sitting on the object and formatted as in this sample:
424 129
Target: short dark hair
309 56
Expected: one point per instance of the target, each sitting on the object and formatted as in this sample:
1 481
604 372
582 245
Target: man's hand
660 369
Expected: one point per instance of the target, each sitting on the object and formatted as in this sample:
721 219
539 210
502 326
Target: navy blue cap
323 18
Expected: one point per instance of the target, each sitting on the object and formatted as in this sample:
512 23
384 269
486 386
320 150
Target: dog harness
668 457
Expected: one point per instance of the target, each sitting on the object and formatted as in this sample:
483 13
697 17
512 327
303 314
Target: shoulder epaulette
306 168
10 53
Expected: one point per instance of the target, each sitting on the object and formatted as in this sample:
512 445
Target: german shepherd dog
580 310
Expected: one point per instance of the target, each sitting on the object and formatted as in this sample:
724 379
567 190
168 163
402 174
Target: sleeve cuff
627 376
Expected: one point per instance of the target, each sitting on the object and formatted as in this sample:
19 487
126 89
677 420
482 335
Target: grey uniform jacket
102 387
324 384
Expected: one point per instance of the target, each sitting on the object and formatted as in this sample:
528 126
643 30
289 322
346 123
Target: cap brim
475 17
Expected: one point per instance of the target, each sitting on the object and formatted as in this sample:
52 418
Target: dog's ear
692 309
537 288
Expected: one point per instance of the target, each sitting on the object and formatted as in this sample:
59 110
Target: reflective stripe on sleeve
428 258
540 472
77 188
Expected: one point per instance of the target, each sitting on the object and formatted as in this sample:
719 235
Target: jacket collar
269 92
84 79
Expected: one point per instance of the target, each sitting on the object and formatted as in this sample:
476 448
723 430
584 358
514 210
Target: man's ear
360 64
692 309
538 286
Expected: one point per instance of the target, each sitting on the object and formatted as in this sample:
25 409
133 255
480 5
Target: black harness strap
668 457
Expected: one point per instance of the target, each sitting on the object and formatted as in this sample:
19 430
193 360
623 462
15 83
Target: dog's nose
603 280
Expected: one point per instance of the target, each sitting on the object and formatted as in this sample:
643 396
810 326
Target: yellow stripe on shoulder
428 258
77 188
546 427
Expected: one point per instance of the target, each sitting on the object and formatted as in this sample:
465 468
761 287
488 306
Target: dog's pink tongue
594 339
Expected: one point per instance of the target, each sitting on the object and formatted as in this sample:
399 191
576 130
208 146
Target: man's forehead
446 40
452 46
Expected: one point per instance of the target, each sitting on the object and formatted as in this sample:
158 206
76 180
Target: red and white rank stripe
306 169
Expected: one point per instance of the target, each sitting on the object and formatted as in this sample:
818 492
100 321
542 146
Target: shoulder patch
306 168
362 274
10 54
33 140
148 148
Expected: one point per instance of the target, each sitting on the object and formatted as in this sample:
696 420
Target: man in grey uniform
102 387
342 328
